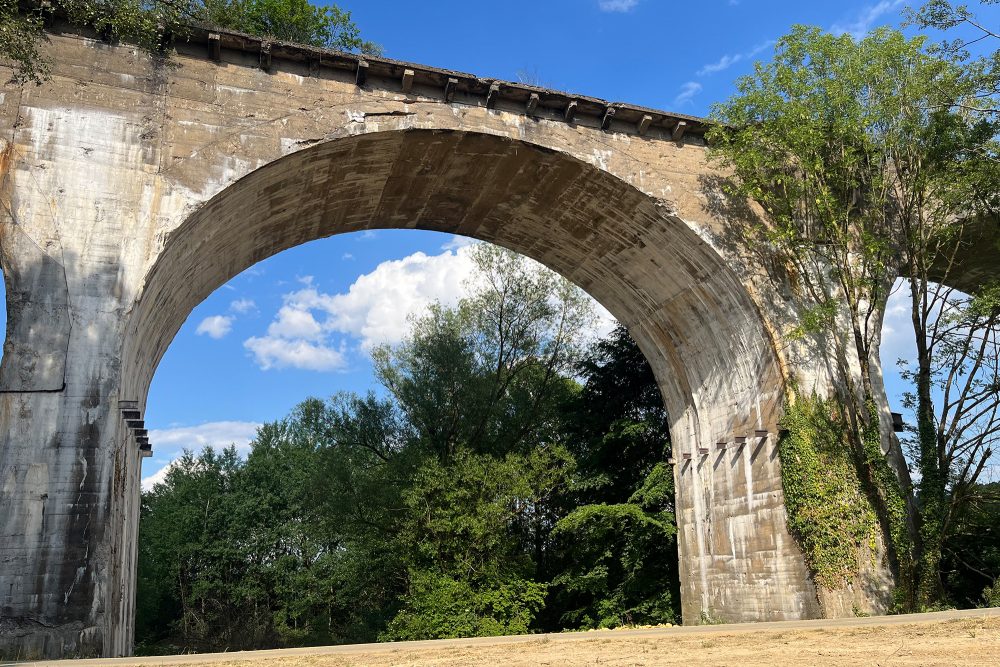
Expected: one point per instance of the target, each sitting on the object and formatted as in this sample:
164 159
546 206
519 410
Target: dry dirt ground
930 639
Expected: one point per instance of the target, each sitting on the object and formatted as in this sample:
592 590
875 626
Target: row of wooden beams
136 426
451 86
738 440
492 95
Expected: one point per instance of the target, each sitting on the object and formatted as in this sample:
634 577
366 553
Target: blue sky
302 322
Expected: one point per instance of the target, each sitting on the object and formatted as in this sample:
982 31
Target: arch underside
673 291
686 308
974 260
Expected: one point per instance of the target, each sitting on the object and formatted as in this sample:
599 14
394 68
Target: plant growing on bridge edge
151 24
840 141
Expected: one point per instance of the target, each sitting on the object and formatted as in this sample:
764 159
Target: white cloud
215 326
617 5
456 242
243 306
295 321
216 435
279 353
347 255
897 328
864 20
687 93
730 59
156 478
377 307
308 330
169 442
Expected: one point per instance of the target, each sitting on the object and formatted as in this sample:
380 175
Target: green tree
481 387
187 562
297 21
956 175
970 31
468 575
615 547
19 35
617 425
621 559
859 159
234 552
491 373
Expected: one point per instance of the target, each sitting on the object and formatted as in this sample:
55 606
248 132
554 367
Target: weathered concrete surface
131 190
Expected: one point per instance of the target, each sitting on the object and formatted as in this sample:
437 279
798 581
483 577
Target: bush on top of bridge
151 23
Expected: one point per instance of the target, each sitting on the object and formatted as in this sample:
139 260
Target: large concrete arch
545 204
687 308
131 188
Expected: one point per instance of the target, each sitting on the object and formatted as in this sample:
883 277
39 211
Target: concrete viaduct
132 188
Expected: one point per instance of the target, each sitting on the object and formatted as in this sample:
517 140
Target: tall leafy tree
490 373
615 547
859 157
482 385
188 563
955 374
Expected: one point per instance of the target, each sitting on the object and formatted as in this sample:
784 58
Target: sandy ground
938 639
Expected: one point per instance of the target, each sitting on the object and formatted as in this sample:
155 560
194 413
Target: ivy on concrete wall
827 508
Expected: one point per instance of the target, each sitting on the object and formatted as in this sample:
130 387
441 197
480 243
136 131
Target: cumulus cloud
275 353
309 330
217 435
294 320
215 326
897 328
169 442
157 477
688 90
378 305
617 5
863 21
243 306
375 309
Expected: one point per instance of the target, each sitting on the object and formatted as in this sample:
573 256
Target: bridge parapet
447 85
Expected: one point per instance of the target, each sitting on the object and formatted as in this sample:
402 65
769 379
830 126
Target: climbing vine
893 505
827 508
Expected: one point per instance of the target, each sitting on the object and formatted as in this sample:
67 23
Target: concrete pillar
68 467
68 470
